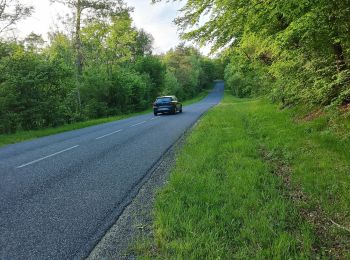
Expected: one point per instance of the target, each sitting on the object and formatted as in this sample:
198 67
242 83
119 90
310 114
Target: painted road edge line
103 136
51 155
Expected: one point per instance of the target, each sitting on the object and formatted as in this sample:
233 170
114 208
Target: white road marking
138 123
51 155
109 134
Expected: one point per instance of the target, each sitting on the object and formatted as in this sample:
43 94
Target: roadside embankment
252 182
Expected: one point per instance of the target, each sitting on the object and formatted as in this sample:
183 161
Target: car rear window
164 99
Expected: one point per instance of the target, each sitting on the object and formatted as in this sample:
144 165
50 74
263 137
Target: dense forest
100 65
297 52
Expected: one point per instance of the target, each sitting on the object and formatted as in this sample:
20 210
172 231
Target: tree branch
11 11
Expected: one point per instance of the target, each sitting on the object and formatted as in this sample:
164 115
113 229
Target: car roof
166 97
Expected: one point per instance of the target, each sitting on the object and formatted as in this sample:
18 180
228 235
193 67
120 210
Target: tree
155 70
121 38
144 43
299 48
185 63
95 9
118 72
32 90
34 42
11 11
109 43
61 49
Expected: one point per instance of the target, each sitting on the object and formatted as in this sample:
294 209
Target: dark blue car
167 104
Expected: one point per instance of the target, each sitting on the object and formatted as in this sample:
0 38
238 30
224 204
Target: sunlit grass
224 200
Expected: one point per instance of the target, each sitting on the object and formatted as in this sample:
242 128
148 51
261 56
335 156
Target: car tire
155 114
181 110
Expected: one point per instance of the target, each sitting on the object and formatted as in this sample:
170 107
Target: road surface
60 194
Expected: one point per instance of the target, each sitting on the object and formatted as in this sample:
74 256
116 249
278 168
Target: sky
155 19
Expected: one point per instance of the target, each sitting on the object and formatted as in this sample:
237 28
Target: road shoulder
137 218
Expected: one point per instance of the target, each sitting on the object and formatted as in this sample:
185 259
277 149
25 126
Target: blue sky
156 19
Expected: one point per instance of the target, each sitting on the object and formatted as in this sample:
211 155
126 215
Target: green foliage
42 86
152 67
31 91
298 52
189 72
243 78
184 63
123 91
172 85
144 42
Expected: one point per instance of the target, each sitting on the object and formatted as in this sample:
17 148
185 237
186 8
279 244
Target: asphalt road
60 194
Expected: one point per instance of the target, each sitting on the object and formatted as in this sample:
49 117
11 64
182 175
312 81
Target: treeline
297 52
42 86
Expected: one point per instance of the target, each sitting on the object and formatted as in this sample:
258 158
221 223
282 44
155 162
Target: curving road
59 194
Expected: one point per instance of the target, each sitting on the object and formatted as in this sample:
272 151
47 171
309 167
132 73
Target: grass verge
253 183
32 134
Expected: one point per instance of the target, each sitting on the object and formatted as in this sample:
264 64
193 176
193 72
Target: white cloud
45 15
157 19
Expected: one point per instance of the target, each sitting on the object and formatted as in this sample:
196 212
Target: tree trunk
339 55
340 67
79 56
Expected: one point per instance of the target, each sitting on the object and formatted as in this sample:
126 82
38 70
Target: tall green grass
225 201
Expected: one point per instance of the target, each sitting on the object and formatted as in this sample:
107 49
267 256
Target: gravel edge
137 218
